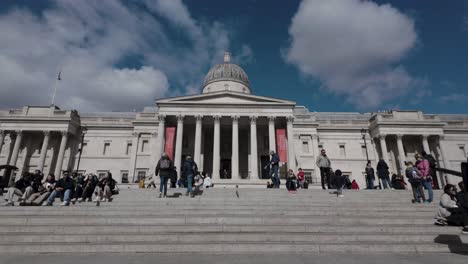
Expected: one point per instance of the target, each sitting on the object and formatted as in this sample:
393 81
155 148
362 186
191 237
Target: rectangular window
144 145
462 151
342 151
106 148
305 147
124 176
141 175
101 173
128 150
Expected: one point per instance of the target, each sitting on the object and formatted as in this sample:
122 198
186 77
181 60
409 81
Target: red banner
281 144
169 145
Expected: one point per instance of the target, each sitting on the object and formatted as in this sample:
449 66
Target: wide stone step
202 229
272 247
222 237
397 220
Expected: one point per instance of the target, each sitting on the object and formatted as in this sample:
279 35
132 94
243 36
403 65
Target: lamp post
364 133
84 130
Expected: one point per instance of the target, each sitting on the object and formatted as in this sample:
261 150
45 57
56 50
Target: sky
330 56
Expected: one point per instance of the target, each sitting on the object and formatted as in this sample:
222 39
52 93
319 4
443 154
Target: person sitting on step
65 187
291 181
448 212
103 190
19 189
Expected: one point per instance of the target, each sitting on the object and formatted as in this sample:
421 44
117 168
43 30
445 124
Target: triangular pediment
224 98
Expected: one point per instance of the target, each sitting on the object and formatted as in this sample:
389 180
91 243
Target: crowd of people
32 189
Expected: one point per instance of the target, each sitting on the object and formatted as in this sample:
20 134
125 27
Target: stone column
160 139
216 148
44 147
235 148
2 137
198 139
133 157
401 154
383 147
315 152
291 152
426 144
16 148
253 149
443 152
178 146
61 154
271 133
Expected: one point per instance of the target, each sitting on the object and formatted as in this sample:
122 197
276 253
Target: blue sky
337 55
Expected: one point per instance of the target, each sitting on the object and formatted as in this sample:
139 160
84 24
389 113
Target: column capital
441 137
135 134
64 133
162 118
425 136
271 119
19 132
46 132
382 136
399 136
235 118
253 119
198 118
217 118
290 119
314 136
180 118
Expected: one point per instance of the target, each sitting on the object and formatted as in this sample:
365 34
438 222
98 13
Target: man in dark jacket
370 175
274 163
164 169
64 186
189 170
383 173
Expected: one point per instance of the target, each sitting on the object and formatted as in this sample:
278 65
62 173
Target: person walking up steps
323 162
164 170
189 169
274 163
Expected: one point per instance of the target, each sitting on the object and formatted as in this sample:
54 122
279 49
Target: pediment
224 98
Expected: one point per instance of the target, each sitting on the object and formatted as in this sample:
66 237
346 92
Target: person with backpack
164 169
415 179
422 166
384 174
189 170
274 163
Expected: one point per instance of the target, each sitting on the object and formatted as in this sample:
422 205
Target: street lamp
364 133
84 130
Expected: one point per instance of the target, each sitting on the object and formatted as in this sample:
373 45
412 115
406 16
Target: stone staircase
218 221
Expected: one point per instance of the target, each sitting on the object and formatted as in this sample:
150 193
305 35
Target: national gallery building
229 132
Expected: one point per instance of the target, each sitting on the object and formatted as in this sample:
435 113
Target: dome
226 76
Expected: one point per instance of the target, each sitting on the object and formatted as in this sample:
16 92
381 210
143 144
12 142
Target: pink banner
281 144
169 145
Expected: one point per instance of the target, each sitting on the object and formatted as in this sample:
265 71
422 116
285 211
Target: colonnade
253 162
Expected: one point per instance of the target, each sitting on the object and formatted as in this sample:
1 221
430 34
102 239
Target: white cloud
87 40
454 98
353 47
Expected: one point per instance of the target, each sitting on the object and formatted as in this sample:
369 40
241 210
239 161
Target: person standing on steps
423 168
164 169
383 174
274 163
370 175
323 162
189 169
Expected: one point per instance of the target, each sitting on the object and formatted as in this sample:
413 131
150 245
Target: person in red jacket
354 185
300 178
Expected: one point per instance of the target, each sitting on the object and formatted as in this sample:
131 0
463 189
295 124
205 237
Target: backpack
416 175
164 164
432 161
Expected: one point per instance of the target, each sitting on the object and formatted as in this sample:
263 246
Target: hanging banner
281 144
169 145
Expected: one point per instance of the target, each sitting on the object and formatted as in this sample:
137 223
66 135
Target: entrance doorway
225 172
264 160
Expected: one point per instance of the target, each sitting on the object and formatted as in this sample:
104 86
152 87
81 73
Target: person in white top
207 183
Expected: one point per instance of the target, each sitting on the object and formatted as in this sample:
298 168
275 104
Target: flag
59 78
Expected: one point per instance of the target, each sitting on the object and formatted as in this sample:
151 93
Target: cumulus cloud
354 47
91 43
454 98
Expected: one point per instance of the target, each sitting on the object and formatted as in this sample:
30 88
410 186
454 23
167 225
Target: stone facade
226 130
